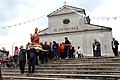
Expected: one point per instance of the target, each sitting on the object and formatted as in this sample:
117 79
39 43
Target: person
16 53
88 19
115 46
31 57
62 50
44 55
41 53
50 51
22 59
72 51
3 61
55 48
96 48
67 47
35 37
79 52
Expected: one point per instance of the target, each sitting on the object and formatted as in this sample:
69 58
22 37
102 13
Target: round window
66 21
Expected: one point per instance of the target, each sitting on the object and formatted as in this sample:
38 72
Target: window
66 21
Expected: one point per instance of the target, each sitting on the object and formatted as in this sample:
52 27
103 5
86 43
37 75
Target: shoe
66 58
22 75
32 74
28 74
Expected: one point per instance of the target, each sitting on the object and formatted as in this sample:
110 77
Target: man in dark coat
44 55
96 48
115 46
31 57
22 59
67 47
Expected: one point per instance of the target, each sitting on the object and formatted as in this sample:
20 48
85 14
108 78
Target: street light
13 49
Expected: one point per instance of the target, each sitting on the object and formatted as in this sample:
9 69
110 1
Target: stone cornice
85 30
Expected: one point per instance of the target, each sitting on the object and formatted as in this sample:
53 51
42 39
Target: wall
56 23
85 41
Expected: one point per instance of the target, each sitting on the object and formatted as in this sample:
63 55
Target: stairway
87 68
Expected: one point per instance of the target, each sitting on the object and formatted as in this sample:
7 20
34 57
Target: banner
22 23
105 18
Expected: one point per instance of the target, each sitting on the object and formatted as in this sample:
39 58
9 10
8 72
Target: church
71 22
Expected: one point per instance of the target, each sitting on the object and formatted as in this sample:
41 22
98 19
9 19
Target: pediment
66 9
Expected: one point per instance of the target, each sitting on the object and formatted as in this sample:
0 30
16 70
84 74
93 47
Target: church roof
68 7
101 27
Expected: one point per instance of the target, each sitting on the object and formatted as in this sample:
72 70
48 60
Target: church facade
72 22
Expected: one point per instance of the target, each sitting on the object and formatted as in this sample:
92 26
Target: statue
35 42
88 19
35 37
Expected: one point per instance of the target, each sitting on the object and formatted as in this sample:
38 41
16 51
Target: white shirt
79 51
113 44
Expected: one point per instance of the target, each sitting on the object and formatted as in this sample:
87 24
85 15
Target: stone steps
67 68
85 68
55 62
38 78
66 72
116 65
81 64
82 61
73 76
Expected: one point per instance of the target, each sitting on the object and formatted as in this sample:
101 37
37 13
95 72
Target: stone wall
85 40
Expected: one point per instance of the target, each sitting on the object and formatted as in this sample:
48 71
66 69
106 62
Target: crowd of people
54 51
51 51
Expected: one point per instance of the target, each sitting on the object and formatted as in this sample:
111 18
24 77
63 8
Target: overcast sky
18 11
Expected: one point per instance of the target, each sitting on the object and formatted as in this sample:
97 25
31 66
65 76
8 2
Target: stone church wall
85 41
56 23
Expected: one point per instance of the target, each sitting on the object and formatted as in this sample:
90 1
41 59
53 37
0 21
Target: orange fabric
62 47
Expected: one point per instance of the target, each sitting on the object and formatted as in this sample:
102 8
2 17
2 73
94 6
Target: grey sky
28 9
15 8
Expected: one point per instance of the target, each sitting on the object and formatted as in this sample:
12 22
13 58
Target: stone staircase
87 68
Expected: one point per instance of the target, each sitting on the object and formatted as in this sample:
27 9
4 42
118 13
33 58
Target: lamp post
13 49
